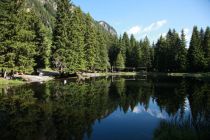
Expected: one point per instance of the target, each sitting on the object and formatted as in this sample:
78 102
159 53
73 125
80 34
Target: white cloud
137 30
155 26
134 30
151 111
187 34
138 110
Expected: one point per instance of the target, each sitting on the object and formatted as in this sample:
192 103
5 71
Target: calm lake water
114 108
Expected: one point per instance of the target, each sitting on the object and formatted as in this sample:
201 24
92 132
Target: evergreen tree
152 56
130 52
120 61
182 53
43 46
125 49
60 49
102 53
206 47
76 35
202 35
17 36
161 55
146 56
196 61
8 22
172 39
113 52
126 45
24 41
90 44
137 55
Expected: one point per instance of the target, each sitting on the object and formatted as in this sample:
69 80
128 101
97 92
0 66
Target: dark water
107 109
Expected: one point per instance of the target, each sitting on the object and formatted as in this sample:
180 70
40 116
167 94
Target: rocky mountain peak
108 28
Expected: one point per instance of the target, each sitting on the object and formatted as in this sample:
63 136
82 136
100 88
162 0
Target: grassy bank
6 82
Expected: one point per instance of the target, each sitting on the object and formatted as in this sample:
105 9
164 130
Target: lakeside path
34 78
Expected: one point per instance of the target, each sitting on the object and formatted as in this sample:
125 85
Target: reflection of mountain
55 111
151 111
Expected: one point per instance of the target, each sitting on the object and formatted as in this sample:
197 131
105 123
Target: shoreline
33 78
190 75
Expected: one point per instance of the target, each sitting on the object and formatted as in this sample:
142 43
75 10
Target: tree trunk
5 74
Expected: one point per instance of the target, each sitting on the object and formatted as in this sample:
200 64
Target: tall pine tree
60 49
206 48
196 61
90 44
76 36
182 54
18 36
146 56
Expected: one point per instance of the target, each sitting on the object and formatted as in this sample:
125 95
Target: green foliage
146 54
160 55
90 43
196 59
40 34
206 48
102 59
120 63
43 43
182 54
61 42
76 32
45 10
18 35
130 51
79 43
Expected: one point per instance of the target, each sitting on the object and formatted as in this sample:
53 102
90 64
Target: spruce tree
102 60
206 48
8 22
172 39
125 47
76 33
25 43
90 43
60 49
18 37
161 55
120 61
182 54
137 55
130 52
146 56
196 61
43 45
113 52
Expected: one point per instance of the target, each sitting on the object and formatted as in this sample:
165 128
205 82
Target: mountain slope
108 27
46 10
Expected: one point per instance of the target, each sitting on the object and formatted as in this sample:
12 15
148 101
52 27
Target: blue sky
149 17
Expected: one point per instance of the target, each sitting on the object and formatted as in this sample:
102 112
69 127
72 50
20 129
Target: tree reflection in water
55 111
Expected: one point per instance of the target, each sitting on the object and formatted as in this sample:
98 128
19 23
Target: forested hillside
54 34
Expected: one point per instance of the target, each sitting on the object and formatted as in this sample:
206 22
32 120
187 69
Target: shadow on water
55 111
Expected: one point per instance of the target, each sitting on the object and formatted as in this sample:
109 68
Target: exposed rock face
107 27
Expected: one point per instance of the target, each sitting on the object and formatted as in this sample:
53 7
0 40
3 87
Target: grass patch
6 82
